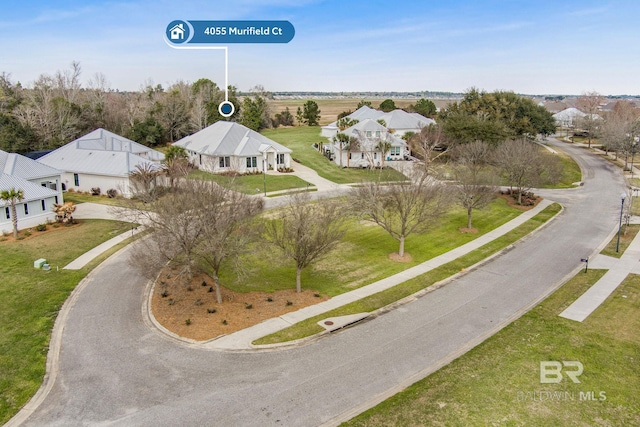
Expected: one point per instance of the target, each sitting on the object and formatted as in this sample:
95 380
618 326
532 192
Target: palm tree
384 146
12 197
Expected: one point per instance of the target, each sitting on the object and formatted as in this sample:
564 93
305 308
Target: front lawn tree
475 183
589 103
425 107
525 166
305 231
228 229
12 197
402 209
428 145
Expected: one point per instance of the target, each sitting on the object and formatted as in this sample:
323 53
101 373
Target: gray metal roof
24 167
229 139
101 153
101 139
400 119
31 191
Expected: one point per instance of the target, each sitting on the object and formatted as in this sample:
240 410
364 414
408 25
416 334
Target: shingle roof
229 139
400 119
24 167
101 153
31 191
568 114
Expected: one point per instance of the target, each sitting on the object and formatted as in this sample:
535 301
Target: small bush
27 233
189 288
187 322
112 193
317 295
211 310
224 321
269 299
95 191
41 227
210 289
289 303
164 294
171 301
198 302
204 283
248 306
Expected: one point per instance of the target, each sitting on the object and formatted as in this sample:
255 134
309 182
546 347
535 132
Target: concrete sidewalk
242 339
619 269
87 257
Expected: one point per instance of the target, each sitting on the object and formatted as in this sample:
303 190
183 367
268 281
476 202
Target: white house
373 145
396 121
569 117
100 159
41 187
232 147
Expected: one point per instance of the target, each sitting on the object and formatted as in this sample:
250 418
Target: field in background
330 108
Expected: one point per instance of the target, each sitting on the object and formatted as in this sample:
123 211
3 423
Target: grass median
310 327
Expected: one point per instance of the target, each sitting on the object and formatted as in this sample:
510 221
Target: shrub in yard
41 227
211 310
112 192
95 191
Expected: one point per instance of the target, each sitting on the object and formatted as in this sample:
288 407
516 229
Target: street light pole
620 224
264 171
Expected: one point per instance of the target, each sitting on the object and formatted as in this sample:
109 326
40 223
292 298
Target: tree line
57 109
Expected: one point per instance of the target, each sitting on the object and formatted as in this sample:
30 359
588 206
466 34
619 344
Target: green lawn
362 256
253 184
78 198
32 299
494 384
309 327
627 234
300 139
570 172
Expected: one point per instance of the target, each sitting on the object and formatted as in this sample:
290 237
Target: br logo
551 371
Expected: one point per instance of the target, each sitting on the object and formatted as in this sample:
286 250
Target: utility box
39 263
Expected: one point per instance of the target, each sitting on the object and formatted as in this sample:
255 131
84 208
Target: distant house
41 187
232 147
398 122
372 145
100 159
569 117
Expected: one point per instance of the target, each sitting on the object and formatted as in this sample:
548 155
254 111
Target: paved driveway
115 370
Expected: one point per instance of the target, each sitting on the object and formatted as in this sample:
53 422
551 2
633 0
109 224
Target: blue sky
533 47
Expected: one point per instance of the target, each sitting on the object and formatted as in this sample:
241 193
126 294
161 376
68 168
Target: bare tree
401 209
589 104
228 229
620 129
525 166
475 185
428 145
176 221
305 232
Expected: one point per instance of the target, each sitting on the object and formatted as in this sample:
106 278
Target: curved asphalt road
115 370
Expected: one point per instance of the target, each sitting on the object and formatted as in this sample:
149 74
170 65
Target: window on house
362 155
56 201
375 155
200 158
349 156
7 213
280 159
377 134
76 180
225 162
368 134
252 162
26 209
44 204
